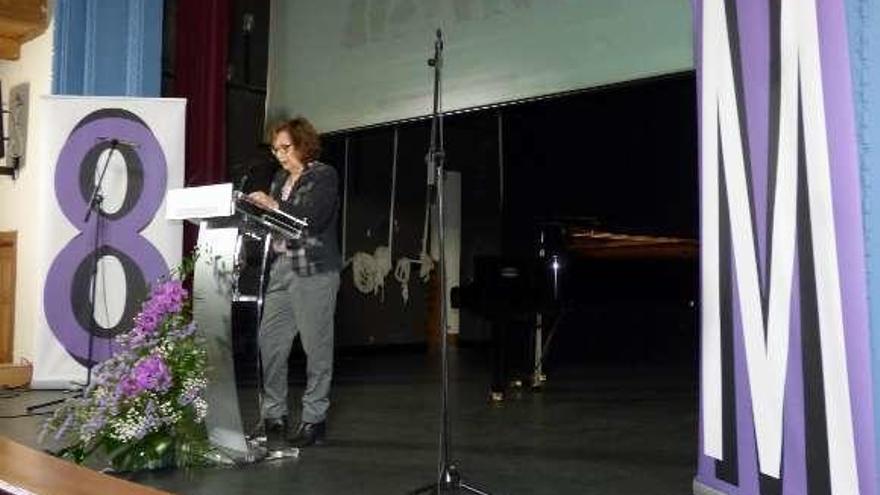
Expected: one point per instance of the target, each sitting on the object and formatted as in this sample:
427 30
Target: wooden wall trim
8 240
20 21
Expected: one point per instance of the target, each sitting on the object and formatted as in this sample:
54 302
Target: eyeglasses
281 149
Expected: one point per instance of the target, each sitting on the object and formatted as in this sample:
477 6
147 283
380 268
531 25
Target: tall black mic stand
96 202
448 476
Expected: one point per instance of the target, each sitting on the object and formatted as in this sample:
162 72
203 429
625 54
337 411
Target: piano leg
499 361
538 377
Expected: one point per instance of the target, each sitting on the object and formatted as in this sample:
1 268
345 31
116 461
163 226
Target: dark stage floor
603 429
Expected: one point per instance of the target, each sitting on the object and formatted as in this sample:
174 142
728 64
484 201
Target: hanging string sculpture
370 270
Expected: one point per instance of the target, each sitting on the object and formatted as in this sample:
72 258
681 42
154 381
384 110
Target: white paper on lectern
191 203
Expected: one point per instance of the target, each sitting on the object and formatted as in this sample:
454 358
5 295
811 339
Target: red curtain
201 54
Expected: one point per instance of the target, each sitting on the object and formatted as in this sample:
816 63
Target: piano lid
601 244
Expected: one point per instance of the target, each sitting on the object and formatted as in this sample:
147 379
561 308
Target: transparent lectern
224 216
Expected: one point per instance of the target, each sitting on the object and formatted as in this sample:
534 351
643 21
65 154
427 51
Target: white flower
201 409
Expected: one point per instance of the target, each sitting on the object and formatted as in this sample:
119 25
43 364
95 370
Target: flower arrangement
145 406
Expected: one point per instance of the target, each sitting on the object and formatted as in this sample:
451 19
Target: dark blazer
315 198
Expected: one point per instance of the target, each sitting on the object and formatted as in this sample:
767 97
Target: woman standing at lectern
303 280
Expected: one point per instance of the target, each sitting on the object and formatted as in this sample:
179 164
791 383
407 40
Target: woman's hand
263 199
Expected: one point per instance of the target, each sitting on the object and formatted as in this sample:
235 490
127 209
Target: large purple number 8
66 296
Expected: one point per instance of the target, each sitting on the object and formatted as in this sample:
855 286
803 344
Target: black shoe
276 433
257 433
307 434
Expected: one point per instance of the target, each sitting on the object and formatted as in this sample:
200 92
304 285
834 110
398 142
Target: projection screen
352 63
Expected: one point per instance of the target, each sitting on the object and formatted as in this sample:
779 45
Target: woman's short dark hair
303 135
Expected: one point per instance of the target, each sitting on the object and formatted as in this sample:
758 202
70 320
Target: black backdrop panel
366 319
472 149
624 156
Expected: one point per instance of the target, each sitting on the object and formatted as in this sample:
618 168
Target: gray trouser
298 305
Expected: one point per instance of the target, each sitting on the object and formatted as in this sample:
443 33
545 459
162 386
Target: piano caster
514 390
538 380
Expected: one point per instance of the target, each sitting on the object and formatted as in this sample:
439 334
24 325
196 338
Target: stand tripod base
256 443
71 394
285 453
538 380
257 452
450 483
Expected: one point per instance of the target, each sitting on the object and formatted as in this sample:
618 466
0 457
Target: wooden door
7 295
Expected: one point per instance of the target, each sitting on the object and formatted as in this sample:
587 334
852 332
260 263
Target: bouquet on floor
145 406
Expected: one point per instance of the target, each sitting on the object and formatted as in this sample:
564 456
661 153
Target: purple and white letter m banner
786 400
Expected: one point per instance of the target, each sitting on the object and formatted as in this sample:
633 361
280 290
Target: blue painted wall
108 47
864 41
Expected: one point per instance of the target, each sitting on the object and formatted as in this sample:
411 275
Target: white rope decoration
369 270
402 272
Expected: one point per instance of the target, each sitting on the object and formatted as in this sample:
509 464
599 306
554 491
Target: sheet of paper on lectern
191 203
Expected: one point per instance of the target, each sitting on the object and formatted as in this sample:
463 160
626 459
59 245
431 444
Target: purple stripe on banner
754 41
846 189
745 443
794 466
753 37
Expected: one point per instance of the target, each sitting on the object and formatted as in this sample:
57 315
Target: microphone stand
448 476
96 201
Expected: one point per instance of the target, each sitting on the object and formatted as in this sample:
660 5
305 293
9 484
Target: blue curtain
108 47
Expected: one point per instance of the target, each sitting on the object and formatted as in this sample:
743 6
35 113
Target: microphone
437 60
244 180
246 176
116 142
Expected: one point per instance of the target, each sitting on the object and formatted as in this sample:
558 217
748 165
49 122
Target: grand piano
576 267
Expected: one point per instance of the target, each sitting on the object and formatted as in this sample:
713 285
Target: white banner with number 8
118 238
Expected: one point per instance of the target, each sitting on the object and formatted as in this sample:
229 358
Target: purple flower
191 391
148 318
185 331
136 383
93 425
152 374
68 421
165 298
149 421
169 295
137 336
128 387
